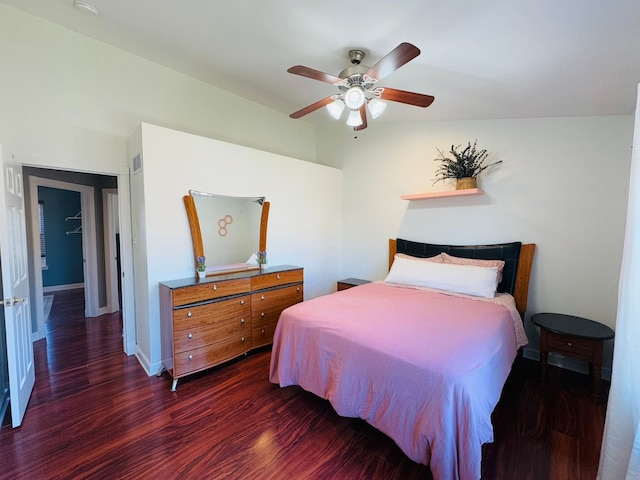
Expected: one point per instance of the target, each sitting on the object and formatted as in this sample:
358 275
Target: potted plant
464 167
261 258
201 267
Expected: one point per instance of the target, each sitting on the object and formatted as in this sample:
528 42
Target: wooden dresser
207 322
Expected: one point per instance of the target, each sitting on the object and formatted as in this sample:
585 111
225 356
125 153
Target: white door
15 283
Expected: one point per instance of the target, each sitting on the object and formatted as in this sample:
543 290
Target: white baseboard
151 368
58 288
143 360
38 335
130 348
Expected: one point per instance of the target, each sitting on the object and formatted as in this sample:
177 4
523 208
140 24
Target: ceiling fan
358 90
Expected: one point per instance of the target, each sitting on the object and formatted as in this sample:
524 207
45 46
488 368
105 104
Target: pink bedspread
425 368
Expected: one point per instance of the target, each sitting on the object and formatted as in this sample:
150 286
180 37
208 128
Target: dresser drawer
266 308
217 312
576 347
210 290
213 332
200 358
277 278
277 299
262 320
263 334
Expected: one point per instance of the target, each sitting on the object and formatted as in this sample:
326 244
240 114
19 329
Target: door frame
127 277
110 220
89 249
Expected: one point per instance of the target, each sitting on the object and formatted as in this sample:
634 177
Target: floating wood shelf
449 193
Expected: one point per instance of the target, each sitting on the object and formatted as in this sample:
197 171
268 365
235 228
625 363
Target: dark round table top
574 326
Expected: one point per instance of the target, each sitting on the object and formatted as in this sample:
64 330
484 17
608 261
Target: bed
424 365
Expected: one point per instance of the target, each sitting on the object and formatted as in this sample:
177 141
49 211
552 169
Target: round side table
574 336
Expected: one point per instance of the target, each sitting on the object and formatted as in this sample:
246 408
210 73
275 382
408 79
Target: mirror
227 230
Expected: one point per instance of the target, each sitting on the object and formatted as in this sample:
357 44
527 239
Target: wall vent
137 163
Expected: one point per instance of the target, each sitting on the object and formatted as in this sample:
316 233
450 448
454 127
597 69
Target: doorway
98 224
84 223
113 271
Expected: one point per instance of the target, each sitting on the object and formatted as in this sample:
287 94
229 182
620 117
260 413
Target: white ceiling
481 59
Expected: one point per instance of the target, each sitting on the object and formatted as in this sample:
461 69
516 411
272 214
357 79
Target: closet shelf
78 229
449 193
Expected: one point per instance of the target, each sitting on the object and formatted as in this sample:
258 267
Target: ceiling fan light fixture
376 107
354 119
336 108
354 97
358 86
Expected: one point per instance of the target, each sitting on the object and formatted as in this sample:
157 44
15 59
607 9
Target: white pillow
467 279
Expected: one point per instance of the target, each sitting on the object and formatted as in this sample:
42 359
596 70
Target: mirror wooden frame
196 233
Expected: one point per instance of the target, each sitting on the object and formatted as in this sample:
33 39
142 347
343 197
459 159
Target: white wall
304 218
563 185
70 101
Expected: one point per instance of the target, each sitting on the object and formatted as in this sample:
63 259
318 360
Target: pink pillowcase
436 259
446 258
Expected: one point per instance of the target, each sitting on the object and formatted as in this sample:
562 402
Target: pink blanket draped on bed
425 368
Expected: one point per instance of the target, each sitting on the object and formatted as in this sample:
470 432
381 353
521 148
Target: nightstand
574 336
351 282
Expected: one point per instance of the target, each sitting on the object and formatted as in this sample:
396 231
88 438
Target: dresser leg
174 384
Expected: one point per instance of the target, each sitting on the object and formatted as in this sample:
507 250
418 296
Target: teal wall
64 251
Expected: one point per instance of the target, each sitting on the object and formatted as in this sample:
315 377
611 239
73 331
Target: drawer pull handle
190 357
190 335
189 313
242 321
278 276
242 339
262 314
261 297
569 344
263 331
215 287
241 302
297 289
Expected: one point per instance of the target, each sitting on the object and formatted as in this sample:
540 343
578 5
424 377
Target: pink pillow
476 262
436 259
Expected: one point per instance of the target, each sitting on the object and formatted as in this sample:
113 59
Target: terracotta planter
466 183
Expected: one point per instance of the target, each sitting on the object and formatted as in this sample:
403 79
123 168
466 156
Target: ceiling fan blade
314 74
410 98
311 108
363 115
403 53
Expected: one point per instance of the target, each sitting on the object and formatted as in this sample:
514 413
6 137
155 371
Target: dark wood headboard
518 260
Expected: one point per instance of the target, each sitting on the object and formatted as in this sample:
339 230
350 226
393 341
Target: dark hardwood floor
94 413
